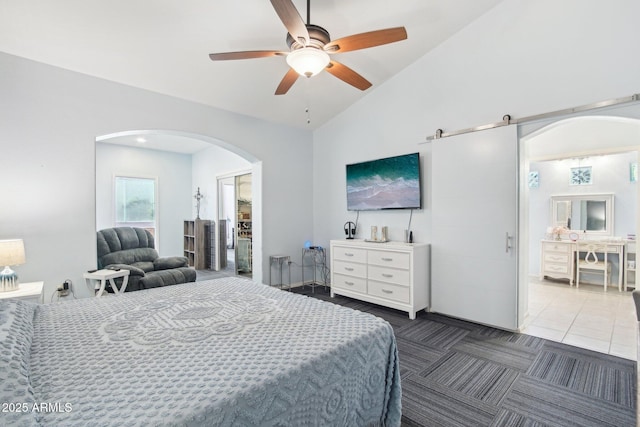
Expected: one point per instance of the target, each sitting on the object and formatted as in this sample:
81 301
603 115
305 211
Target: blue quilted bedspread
226 352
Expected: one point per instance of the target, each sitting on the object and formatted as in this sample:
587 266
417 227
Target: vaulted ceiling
163 46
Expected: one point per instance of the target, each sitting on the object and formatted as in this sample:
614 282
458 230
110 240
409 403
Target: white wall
172 172
610 174
521 58
49 120
207 165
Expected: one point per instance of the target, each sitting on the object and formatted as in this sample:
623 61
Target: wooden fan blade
288 81
347 75
292 20
248 54
365 40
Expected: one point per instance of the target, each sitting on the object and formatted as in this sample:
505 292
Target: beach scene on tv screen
391 183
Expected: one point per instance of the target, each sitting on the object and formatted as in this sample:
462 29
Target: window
135 202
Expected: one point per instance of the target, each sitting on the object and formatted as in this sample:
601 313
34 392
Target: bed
228 352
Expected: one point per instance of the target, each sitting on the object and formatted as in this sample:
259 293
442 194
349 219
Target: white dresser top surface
369 244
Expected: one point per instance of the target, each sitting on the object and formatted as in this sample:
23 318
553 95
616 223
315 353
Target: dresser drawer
350 268
389 275
389 291
350 254
390 259
556 268
357 284
556 257
564 248
601 248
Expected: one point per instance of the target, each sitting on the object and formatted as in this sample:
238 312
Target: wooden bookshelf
195 240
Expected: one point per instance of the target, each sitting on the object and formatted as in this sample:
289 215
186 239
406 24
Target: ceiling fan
310 46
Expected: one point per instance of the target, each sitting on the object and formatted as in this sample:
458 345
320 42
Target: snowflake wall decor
580 176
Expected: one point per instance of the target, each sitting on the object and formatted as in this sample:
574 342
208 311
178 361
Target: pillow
16 332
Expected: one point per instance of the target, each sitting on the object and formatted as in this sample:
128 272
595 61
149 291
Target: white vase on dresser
392 274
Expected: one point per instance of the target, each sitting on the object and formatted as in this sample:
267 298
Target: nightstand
27 292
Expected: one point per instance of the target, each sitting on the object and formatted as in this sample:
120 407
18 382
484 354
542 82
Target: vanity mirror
589 213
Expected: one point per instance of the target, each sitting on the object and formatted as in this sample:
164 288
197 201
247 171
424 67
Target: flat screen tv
389 183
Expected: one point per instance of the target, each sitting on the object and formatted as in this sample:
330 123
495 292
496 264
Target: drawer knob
387 259
349 283
348 268
386 291
348 254
387 275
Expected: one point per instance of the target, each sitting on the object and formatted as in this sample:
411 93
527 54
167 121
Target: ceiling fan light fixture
308 61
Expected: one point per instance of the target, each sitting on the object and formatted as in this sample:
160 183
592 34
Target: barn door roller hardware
507 120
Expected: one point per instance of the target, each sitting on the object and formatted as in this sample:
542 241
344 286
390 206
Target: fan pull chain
307 90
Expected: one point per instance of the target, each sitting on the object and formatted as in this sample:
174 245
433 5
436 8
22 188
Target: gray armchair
133 249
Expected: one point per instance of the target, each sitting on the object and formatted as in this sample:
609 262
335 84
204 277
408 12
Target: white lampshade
11 253
308 61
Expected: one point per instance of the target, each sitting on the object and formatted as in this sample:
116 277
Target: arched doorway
181 163
606 144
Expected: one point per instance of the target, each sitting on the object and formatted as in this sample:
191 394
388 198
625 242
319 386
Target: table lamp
11 253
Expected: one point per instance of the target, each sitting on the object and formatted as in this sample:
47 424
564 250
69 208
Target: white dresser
392 274
557 260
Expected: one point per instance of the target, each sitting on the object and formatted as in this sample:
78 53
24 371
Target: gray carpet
457 373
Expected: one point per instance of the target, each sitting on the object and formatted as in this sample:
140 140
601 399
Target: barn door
475 211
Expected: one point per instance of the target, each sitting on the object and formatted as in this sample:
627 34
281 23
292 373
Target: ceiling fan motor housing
311 45
318 38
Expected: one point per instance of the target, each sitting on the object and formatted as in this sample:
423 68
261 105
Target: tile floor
586 317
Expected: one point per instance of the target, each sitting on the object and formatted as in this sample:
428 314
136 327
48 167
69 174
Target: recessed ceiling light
141 140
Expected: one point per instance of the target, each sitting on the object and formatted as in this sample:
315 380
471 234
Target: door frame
220 184
528 129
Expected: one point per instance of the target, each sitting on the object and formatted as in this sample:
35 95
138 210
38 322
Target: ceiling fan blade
292 20
347 75
248 54
288 81
365 40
